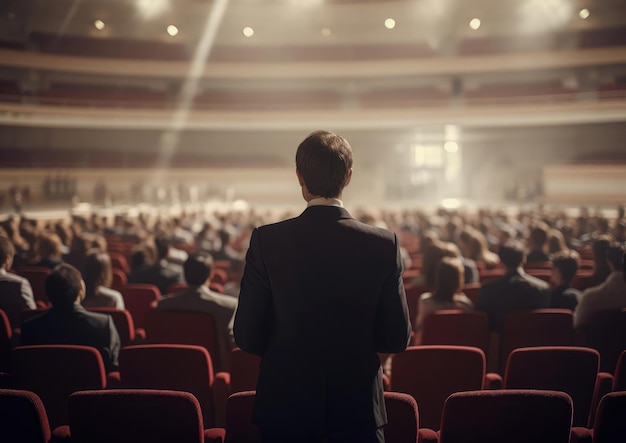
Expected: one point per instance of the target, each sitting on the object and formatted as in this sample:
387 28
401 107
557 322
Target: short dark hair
614 255
198 268
6 249
163 245
63 285
567 264
511 254
324 160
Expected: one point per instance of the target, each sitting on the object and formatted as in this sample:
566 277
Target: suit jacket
75 325
321 294
514 291
16 295
221 307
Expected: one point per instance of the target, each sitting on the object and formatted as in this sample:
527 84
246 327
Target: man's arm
253 318
393 326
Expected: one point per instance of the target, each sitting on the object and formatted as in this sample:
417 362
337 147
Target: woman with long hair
446 294
98 275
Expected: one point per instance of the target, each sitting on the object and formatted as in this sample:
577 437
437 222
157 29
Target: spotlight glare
99 25
451 147
474 23
390 23
172 30
248 31
584 13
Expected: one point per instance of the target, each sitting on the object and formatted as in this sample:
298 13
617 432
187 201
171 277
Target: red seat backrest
23 417
123 323
177 367
139 299
456 327
431 373
244 370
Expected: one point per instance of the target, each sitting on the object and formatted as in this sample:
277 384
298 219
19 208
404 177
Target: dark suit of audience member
514 291
564 267
16 294
199 298
67 322
538 242
321 294
162 274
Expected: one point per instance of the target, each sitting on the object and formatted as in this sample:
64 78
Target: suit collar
333 212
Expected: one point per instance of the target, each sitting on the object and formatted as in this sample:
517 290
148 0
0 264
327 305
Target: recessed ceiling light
99 25
326 32
474 23
390 23
451 146
584 13
172 30
248 31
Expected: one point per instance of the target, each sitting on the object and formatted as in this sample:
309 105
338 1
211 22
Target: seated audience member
446 295
538 241
601 269
160 274
16 293
67 322
50 250
199 298
514 291
98 276
564 268
473 245
608 295
556 242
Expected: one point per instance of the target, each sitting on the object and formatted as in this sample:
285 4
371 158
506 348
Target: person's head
600 248
512 254
564 266
432 257
197 269
556 241
49 246
448 279
64 286
323 165
97 271
538 236
163 245
614 256
7 252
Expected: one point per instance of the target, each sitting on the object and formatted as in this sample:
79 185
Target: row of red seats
555 374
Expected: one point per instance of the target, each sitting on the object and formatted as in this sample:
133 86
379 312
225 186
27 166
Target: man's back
514 291
16 295
76 326
321 295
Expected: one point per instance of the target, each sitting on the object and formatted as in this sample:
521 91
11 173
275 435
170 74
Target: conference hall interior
138 135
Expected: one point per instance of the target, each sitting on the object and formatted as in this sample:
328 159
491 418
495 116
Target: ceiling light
474 23
584 13
451 147
248 31
149 9
99 24
326 32
390 23
172 30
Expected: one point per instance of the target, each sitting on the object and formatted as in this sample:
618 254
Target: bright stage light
99 25
149 9
390 23
584 13
451 146
172 30
248 31
474 24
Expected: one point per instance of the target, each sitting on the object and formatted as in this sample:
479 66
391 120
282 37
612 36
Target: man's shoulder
11 277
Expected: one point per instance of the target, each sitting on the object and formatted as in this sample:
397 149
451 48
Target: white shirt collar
321 201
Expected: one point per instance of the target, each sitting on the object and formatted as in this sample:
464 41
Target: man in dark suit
321 294
199 298
67 322
514 291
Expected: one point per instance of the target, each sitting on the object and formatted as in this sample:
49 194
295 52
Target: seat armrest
214 435
61 434
493 380
114 380
221 391
426 435
604 385
581 435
